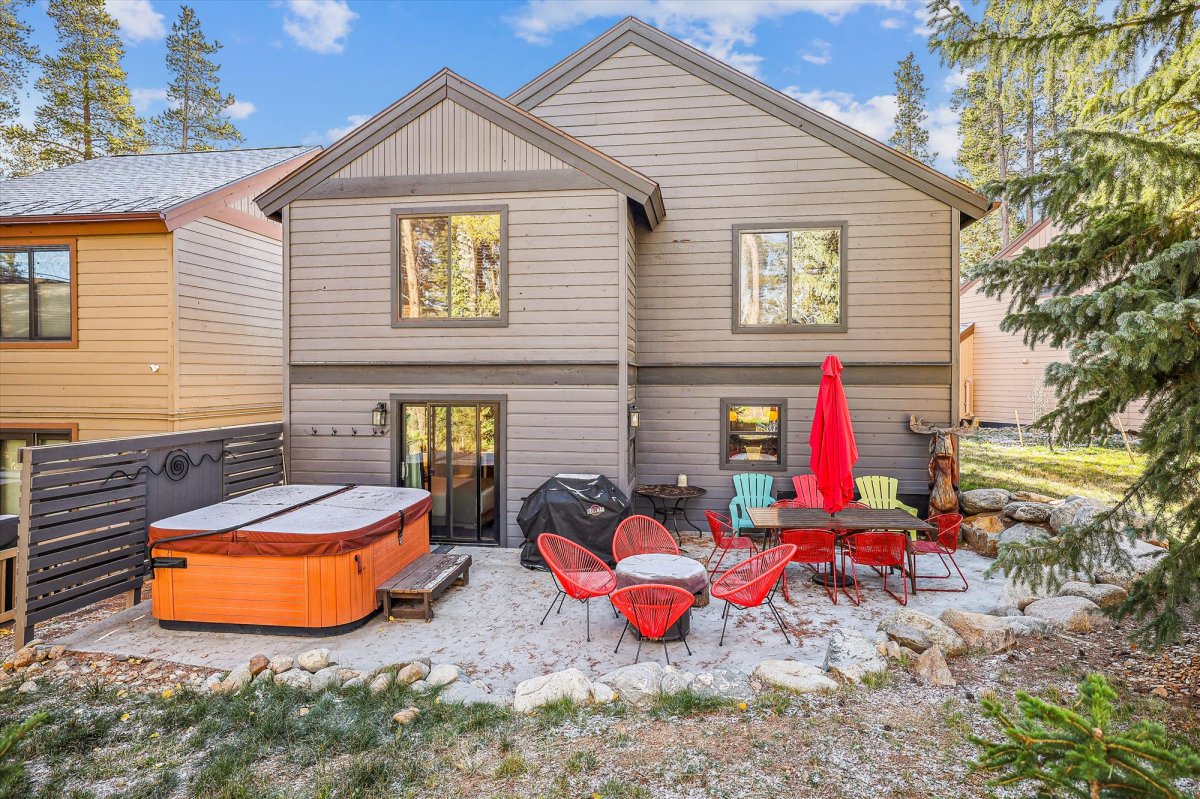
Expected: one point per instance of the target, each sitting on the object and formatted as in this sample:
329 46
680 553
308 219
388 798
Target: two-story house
138 294
634 265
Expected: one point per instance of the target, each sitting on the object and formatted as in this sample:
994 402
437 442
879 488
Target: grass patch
513 765
689 703
1100 472
617 789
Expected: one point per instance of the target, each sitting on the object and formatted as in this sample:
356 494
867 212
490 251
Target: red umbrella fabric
834 452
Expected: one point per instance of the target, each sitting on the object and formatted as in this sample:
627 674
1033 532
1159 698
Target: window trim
34 428
752 466
72 245
790 327
396 214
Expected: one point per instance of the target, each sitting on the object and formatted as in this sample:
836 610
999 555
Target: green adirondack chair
750 490
878 491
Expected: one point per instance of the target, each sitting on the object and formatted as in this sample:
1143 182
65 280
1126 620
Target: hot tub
299 558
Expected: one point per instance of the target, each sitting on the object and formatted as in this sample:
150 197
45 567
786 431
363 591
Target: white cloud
240 109
333 134
891 23
944 137
820 52
137 18
319 25
145 99
723 29
955 80
874 117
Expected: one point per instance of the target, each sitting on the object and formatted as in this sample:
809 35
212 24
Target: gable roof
133 186
447 85
633 31
1015 246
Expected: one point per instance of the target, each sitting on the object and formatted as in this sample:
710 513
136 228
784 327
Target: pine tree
17 54
86 111
911 136
1125 276
1067 752
196 117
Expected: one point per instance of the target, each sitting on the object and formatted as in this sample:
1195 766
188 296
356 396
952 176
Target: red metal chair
752 583
807 492
578 574
725 538
641 535
651 609
816 549
880 551
944 545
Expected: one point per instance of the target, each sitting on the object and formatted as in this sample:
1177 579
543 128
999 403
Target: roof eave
113 216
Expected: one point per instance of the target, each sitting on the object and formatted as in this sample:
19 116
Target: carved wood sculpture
943 462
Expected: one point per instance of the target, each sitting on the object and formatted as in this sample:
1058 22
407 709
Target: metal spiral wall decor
175 465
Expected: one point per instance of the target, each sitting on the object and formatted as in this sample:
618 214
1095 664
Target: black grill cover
586 508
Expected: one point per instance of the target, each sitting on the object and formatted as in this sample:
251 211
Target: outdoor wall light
379 415
635 417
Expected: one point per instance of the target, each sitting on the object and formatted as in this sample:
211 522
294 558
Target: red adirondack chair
880 551
807 493
725 538
651 608
944 544
752 583
641 535
578 574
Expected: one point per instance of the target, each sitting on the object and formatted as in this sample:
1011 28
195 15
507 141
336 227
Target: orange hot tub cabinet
307 569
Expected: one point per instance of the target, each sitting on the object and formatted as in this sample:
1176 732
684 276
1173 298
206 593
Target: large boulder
852 656
1024 534
442 674
725 683
313 660
675 681
1029 496
792 675
919 631
411 673
982 500
1025 626
637 684
1019 594
1036 512
1142 557
1103 594
980 631
1075 512
464 693
295 678
1073 614
328 677
931 669
238 679
981 533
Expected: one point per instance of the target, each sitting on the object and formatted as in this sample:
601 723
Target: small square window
35 294
753 434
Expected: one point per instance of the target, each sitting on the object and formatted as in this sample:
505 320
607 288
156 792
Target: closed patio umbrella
834 452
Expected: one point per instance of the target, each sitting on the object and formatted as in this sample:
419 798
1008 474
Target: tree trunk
1029 140
87 120
1001 158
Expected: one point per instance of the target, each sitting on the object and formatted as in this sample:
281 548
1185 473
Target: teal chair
750 490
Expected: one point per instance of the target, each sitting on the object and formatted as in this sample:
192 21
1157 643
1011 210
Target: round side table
669 501
684 572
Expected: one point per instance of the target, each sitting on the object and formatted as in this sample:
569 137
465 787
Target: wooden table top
849 520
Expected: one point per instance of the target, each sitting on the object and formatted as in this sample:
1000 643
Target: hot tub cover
333 519
585 508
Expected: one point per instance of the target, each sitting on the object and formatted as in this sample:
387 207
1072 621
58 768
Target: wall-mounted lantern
379 416
635 417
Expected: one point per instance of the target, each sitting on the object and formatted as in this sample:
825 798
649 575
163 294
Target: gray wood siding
446 139
548 430
720 162
563 279
230 327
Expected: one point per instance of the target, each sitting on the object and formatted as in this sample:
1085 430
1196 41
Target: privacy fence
86 507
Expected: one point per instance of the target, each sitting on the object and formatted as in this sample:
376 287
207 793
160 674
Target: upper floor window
790 277
452 265
35 293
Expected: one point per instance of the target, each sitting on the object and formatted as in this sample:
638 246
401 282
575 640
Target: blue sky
306 71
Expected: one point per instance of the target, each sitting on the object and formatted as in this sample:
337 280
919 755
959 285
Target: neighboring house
1003 379
138 294
642 228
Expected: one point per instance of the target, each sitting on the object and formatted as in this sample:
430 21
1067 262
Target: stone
295 678
918 631
792 675
56 651
931 669
1073 614
1005 610
723 682
1025 626
675 681
211 682
981 533
412 672
1103 594
566 684
406 716
893 650
29 687
442 674
1020 595
1035 512
313 660
327 677
354 682
420 685
281 663
264 677
851 656
24 657
603 694
638 683
465 693
1142 558
238 679
1024 533
380 682
1029 496
1075 512
992 634
258 664
982 500
351 674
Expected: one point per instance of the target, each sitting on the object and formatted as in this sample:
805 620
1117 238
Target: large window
790 278
452 266
35 293
753 434
11 442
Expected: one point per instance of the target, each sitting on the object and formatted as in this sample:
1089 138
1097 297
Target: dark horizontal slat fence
86 507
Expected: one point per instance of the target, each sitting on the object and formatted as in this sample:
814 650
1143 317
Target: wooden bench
410 594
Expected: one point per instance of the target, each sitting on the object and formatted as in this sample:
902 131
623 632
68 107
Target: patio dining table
842 523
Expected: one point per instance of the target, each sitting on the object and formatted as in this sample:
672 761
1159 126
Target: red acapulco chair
816 549
578 574
807 492
944 544
725 538
641 535
752 583
651 609
880 551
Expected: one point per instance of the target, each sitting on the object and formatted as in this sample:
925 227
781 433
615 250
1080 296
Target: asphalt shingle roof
134 183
